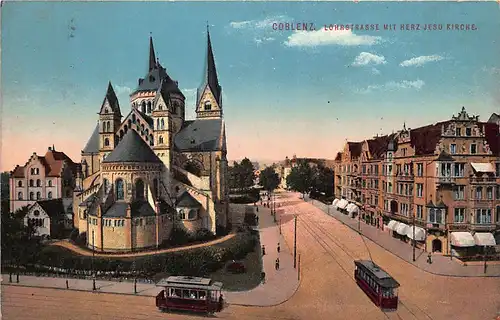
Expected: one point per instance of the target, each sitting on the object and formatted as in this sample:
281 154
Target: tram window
192 294
202 295
178 293
185 294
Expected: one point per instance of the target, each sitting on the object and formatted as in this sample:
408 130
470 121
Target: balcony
405 176
482 180
435 226
445 180
482 227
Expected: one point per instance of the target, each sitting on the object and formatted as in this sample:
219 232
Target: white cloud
420 61
393 85
322 37
122 90
492 70
263 39
240 24
259 24
365 58
375 71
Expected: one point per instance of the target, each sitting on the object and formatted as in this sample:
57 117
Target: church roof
139 208
188 201
210 77
132 149
92 145
53 207
200 135
112 99
147 118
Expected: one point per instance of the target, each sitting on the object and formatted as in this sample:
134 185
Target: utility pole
93 255
413 237
484 248
359 222
298 269
295 244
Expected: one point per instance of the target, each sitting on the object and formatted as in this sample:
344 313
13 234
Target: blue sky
285 92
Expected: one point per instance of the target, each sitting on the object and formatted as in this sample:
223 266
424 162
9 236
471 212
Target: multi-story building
47 177
443 178
347 181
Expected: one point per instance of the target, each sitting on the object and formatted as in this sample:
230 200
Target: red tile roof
492 133
53 161
425 139
378 146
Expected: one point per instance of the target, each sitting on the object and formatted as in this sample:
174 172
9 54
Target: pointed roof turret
210 77
152 57
112 100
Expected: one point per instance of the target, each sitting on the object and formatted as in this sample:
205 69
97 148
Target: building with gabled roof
151 170
49 218
442 178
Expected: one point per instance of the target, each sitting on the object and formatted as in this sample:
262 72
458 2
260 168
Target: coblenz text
294 26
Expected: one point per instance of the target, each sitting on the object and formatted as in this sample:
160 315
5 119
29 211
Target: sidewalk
279 285
441 265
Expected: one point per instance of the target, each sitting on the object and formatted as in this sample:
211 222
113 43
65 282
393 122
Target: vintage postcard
250 160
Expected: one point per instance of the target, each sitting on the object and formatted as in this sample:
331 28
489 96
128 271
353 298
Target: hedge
189 262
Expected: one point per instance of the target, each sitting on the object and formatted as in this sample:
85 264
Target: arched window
49 195
119 189
149 106
105 184
160 140
106 142
38 195
31 183
208 106
38 182
20 184
108 126
193 214
32 196
142 127
19 196
133 118
147 132
50 183
155 187
162 124
151 140
157 123
139 189
160 107
143 109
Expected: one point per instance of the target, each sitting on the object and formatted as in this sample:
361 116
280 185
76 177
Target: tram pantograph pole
295 244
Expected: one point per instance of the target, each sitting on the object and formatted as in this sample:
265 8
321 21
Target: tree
323 181
4 188
269 179
241 175
301 177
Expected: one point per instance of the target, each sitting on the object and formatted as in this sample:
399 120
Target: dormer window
208 106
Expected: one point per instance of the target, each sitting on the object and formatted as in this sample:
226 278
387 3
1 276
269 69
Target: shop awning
484 239
402 229
334 203
419 233
342 204
462 239
353 208
392 225
483 167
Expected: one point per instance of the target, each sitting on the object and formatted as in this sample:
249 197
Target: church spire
152 58
210 77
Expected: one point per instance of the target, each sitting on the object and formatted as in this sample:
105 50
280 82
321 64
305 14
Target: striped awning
419 233
484 239
462 239
342 204
352 208
392 225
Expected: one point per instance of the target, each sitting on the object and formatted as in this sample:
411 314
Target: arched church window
105 184
49 195
50 183
20 184
162 124
106 110
38 195
208 106
31 183
19 196
155 187
143 109
160 107
151 142
157 124
133 118
160 140
139 189
106 142
119 189
109 126
38 182
149 106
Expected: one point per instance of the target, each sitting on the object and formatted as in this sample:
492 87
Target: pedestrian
429 258
263 277
278 247
263 250
257 209
277 266
67 284
257 219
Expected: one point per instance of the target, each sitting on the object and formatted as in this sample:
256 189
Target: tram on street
187 293
377 284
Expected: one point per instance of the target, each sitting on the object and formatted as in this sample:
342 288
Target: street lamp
93 255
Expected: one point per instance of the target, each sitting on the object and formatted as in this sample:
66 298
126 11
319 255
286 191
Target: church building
152 170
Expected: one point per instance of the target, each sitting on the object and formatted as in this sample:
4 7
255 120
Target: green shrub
81 239
203 235
73 235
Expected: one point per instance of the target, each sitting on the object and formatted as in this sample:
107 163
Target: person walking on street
67 284
429 258
263 277
263 250
278 248
277 266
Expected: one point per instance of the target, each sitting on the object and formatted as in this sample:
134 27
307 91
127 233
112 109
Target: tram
377 284
190 294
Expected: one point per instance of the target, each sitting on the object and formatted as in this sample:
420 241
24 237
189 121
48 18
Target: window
32 183
459 193
149 106
105 184
49 182
420 169
498 169
20 184
458 169
473 148
420 190
19 196
139 189
435 216
38 183
498 214
106 142
479 193
32 196
38 195
155 187
389 170
119 189
483 216
453 148
468 132
162 124
193 214
489 193
390 187
498 192
160 140
49 195
182 215
208 106
459 216
420 210
458 132
445 169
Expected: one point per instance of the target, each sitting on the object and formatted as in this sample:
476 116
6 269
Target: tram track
315 229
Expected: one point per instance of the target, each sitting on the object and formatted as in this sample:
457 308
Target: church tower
109 121
162 124
209 94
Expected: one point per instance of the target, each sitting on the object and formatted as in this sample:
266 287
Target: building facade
151 171
443 178
47 177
